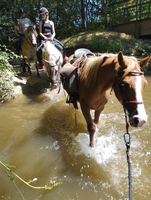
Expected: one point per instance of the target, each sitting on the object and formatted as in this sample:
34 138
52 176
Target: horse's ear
121 60
144 61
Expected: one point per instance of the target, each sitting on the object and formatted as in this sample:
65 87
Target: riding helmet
43 10
22 10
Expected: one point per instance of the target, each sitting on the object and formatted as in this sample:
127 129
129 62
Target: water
47 140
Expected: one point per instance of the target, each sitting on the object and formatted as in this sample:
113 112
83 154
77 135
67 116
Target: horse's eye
124 84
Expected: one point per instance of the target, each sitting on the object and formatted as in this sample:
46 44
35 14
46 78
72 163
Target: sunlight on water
110 151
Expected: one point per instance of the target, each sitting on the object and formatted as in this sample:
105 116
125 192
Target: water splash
104 147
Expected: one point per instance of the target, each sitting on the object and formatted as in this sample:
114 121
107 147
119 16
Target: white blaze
140 107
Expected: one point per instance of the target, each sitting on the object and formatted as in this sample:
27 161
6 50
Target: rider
18 35
47 32
22 23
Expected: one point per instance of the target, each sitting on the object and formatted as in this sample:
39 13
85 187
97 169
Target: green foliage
12 175
142 48
6 75
126 11
71 16
105 45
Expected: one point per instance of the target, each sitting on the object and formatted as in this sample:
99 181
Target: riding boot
39 57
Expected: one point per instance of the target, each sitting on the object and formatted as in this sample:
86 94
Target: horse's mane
131 65
91 67
31 29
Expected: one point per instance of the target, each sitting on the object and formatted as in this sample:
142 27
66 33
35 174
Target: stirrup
73 101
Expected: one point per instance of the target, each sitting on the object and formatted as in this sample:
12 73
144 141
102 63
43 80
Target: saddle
78 53
70 74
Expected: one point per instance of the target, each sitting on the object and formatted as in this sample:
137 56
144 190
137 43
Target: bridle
57 59
29 40
118 82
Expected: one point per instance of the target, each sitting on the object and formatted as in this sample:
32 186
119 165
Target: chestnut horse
52 59
101 74
28 48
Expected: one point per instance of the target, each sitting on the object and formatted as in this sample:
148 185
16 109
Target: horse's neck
51 53
51 49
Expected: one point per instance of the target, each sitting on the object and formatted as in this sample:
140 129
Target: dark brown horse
28 48
101 74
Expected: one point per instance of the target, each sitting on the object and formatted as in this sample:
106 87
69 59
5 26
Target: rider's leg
60 47
39 57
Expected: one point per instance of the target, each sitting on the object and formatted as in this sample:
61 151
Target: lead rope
127 143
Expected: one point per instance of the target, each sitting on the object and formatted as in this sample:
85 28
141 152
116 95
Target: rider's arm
15 30
53 30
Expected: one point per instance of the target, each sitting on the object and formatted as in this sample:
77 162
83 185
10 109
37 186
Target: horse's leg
23 64
97 115
38 75
91 126
53 75
28 65
35 59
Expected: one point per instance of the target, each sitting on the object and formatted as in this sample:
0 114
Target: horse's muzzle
34 44
137 121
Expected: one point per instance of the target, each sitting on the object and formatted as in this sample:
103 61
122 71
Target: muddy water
47 140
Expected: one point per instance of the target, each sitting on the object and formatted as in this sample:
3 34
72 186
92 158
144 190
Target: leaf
11 178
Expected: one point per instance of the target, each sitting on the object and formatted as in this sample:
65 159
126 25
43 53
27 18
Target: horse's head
31 35
129 85
52 60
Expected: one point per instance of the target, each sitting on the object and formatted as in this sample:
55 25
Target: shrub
105 45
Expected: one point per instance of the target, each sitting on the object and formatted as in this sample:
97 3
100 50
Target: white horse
52 60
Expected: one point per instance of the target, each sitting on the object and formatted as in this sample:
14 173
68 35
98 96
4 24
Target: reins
41 45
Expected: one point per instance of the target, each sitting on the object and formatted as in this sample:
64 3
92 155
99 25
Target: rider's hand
51 38
45 38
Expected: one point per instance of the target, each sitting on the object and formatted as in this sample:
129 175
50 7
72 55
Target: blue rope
127 143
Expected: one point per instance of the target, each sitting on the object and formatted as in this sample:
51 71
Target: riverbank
105 41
